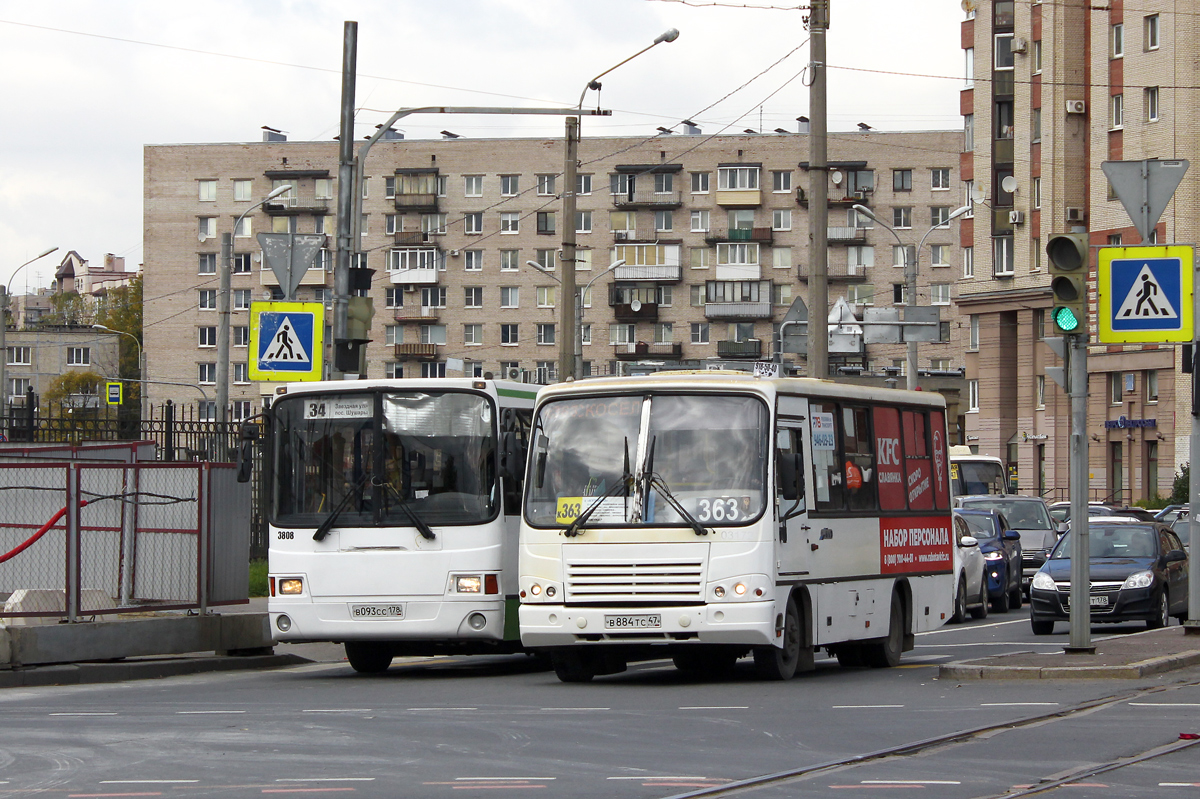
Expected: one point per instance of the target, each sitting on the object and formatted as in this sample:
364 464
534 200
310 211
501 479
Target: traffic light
359 313
1068 254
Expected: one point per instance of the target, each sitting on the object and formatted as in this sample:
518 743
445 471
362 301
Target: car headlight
993 556
1043 582
1138 580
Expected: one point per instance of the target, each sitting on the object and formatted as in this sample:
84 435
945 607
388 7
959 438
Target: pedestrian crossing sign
287 340
1145 294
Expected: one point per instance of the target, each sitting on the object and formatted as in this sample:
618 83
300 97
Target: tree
68 308
1181 490
65 385
121 310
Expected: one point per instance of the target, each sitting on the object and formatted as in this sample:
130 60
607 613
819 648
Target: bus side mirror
246 439
512 456
790 486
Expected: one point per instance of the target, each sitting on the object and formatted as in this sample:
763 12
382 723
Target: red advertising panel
915 545
941 477
918 474
889 459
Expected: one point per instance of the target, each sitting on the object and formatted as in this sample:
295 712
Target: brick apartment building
713 231
1053 90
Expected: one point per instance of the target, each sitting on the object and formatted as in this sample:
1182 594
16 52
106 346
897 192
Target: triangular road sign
1145 188
1145 299
285 346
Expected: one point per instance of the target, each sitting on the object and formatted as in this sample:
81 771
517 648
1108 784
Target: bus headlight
734 589
291 585
540 591
468 583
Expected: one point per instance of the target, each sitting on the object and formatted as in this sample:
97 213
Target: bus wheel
885 653
368 657
573 666
775 663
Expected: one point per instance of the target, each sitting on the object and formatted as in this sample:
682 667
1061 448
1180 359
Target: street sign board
1145 188
290 256
112 393
287 340
1145 294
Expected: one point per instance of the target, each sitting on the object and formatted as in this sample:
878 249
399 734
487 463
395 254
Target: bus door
792 528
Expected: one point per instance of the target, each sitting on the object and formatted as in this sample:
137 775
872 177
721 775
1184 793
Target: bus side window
860 477
789 466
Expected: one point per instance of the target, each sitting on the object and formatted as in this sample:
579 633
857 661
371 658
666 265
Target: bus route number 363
721 509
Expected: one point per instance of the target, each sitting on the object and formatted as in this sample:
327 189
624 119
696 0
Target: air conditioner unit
1075 214
860 195
1016 217
1076 106
454 253
1019 45
621 235
513 373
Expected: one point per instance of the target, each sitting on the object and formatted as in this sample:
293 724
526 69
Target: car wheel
775 663
886 653
1162 616
981 611
960 602
368 657
1041 627
1001 603
1014 597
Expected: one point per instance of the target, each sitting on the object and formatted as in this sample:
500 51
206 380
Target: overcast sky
85 85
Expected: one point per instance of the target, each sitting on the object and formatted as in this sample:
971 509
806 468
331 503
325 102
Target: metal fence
79 540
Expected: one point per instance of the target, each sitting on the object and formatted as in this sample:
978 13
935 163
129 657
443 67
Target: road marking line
83 714
326 779
576 708
911 782
440 708
887 785
1179 785
208 712
716 707
503 779
1018 704
83 795
694 779
861 707
144 782
338 710
1163 704
306 790
976 627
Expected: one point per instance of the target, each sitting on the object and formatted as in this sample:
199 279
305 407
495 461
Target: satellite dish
1009 184
836 177
635 306
978 195
969 5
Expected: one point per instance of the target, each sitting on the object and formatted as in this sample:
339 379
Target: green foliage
68 308
1181 490
258 577
1153 503
122 310
63 386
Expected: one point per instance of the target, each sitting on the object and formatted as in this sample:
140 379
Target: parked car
1030 517
1171 513
1061 511
1001 548
970 584
1139 572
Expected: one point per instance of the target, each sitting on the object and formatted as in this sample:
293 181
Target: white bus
709 515
975 474
393 510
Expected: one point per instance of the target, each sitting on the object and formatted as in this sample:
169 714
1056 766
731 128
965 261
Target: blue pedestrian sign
1145 294
287 339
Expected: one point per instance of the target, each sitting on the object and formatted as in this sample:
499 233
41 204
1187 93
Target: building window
208 336
1035 125
473 296
939 293
241 299
583 184
429 370
473 223
737 177
1150 26
968 255
241 373
241 263
859 257
664 183
622 334
510 222
700 182
208 263
393 334
545 185
737 254
1115 388
1002 249
433 334
1004 119
1151 380
545 222
472 185
972 396
781 294
510 260
903 255
1035 56
509 185
545 259
940 179
621 184
19 356
973 335
583 221
1003 52
208 299
433 297
901 180
1116 105
393 370
393 298
510 296
664 333
699 332
663 221
939 216
585 334
545 333
207 373
208 190
902 218
508 335
473 334
900 294
860 294
781 182
1118 40
969 68
700 222
1037 192
781 219
968 133
473 261
700 257
207 227
241 336
323 189
781 258
1151 103
206 411
937 255
545 296
1040 400
243 190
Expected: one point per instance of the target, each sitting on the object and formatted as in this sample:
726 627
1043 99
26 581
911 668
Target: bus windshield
977 477
384 454
707 452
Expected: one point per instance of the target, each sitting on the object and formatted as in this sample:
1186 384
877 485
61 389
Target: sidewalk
1125 657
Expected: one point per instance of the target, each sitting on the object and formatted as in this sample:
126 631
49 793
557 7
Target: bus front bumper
419 620
742 623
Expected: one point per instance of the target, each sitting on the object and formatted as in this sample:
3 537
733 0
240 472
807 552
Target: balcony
846 235
624 312
416 191
416 314
737 310
412 238
838 198
751 350
642 350
291 206
738 272
739 198
657 273
315 276
648 198
414 277
417 352
851 273
760 235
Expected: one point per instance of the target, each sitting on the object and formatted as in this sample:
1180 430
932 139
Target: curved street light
577 331
910 275
4 328
141 368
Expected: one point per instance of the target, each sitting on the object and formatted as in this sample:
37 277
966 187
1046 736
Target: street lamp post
223 289
141 369
576 326
4 328
910 277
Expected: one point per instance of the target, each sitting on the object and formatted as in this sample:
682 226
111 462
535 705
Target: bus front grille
646 574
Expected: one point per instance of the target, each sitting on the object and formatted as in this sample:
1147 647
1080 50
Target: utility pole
346 186
568 365
818 197
1081 609
223 289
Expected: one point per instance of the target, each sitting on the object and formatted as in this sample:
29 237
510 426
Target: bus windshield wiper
325 526
655 481
573 529
422 526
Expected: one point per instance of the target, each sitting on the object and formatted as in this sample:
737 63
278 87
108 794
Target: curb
966 670
120 671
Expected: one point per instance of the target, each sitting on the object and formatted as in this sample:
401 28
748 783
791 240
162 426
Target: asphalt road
437 727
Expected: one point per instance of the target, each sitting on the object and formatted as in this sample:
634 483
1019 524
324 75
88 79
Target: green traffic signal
1065 320
1068 255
